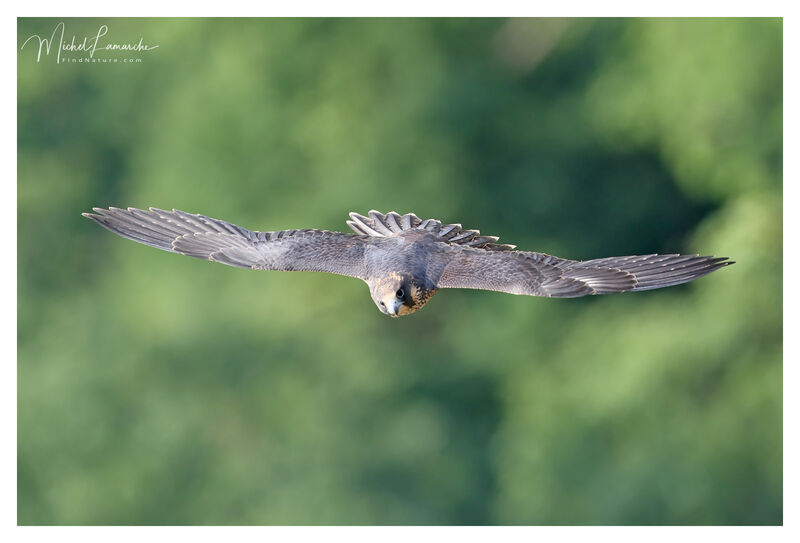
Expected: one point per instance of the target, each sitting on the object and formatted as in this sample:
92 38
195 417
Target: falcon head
399 294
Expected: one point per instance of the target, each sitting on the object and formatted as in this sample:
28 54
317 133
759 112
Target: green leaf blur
158 389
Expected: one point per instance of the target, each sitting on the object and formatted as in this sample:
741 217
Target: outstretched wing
219 241
537 274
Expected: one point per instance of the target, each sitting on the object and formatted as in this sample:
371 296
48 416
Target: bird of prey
403 260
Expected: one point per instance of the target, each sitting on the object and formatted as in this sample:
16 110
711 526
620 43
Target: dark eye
400 293
383 304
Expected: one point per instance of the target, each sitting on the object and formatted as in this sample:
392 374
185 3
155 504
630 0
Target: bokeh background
158 389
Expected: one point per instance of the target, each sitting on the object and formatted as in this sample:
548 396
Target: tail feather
390 224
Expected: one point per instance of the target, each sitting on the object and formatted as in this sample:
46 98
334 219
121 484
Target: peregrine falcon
403 260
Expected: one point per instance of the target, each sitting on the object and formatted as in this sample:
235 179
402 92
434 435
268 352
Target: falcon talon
403 259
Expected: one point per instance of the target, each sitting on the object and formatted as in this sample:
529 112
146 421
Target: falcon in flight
403 260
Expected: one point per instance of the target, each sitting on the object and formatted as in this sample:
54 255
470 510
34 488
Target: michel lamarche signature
89 44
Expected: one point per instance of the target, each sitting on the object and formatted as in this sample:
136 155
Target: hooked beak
392 307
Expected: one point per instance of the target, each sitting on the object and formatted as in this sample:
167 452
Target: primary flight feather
403 259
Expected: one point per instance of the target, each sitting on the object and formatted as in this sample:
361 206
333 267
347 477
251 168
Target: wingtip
720 260
98 214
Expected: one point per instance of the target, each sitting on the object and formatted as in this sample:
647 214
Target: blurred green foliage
157 389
